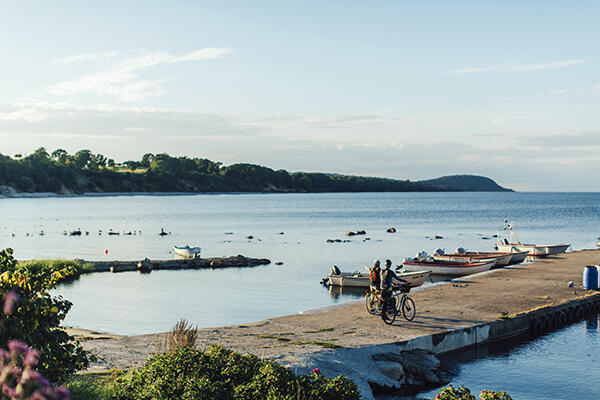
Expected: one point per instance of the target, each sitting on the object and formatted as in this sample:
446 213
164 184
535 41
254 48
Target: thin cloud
122 80
85 57
517 67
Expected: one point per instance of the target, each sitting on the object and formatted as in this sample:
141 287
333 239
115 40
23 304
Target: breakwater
147 265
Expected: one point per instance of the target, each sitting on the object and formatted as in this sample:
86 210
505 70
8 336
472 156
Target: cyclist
387 283
375 274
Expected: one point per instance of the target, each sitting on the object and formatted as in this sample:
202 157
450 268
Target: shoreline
44 195
450 317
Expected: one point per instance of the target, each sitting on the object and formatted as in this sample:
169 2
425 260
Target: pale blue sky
387 88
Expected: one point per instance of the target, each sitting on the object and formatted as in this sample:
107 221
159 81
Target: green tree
146 160
60 156
132 165
82 158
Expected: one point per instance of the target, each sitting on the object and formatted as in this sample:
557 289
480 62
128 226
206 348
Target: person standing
387 285
375 274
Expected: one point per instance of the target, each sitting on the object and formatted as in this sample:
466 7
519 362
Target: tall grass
183 334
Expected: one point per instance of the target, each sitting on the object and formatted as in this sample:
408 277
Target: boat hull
518 258
534 249
449 268
501 260
349 279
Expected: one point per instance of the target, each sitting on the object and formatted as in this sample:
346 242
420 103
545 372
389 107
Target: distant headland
85 172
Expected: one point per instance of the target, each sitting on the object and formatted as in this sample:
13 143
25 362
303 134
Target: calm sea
130 303
561 365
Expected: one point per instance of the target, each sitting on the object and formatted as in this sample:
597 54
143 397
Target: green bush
217 373
68 269
37 317
462 393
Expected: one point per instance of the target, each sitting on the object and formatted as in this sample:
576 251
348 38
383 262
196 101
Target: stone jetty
528 299
147 265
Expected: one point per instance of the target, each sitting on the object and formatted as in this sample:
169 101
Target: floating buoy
106 251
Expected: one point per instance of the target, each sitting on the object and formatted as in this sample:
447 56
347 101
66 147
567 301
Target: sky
405 90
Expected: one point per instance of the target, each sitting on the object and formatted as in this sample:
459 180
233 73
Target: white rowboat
514 245
186 251
357 279
535 250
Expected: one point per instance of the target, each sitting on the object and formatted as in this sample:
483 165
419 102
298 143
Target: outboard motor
505 241
460 250
335 270
438 252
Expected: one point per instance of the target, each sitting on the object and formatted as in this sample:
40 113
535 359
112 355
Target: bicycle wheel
388 312
409 309
372 303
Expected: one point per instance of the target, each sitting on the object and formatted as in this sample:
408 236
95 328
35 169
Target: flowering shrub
462 393
217 373
489 395
452 393
18 378
36 318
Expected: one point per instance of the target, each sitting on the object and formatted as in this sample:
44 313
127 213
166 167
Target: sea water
564 364
288 228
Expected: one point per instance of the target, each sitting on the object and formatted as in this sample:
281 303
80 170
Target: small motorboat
513 245
361 280
461 255
438 267
186 251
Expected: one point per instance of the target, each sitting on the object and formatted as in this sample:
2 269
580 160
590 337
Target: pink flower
31 358
316 371
8 391
10 301
15 345
61 393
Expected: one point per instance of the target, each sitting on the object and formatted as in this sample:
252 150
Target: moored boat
532 250
186 251
358 279
448 267
501 259
513 245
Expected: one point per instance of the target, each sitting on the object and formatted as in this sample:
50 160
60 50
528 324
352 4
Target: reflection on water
349 293
563 364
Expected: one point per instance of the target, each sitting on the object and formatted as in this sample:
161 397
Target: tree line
85 171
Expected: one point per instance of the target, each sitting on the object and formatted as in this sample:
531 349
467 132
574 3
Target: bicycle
399 302
373 301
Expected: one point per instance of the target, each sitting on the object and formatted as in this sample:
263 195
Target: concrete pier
524 299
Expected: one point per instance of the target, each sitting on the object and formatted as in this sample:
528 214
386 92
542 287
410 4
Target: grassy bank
74 268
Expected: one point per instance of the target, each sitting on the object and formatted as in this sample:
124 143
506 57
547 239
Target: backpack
374 275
